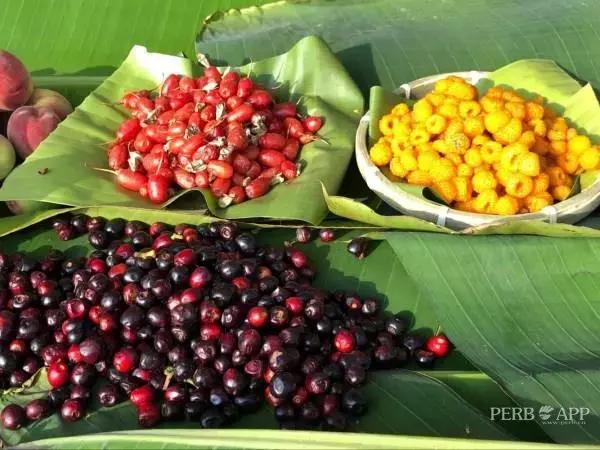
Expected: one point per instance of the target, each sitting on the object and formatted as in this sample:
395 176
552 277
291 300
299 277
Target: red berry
258 316
271 158
313 124
210 332
142 395
117 157
128 130
298 258
295 305
283 110
260 99
221 186
326 235
289 170
170 84
273 141
438 345
74 354
258 187
125 360
291 149
131 180
58 374
158 189
148 415
245 87
293 127
220 169
344 341
200 277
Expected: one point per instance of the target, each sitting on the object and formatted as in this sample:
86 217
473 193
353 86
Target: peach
15 82
51 99
7 157
30 125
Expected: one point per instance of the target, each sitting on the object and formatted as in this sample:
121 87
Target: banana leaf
92 37
76 149
523 309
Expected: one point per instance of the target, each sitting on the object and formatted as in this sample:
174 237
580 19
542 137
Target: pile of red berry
198 323
223 132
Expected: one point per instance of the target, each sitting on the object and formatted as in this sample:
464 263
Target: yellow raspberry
386 125
443 170
511 96
561 192
485 201
495 92
571 133
400 109
442 85
509 159
435 98
519 185
534 111
464 189
541 146
422 110
464 170
491 104
465 206
463 91
435 124
407 119
555 134
473 157
538 126
557 176
474 127
558 148
484 180
448 109
529 164
502 175
579 144
480 140
381 154
589 159
541 183
510 133
400 130
446 190
398 146
517 109
455 158
419 136
527 138
408 159
427 159
469 108
491 152
537 202
568 162
420 178
397 168
506 206
454 126
496 120
440 146
458 142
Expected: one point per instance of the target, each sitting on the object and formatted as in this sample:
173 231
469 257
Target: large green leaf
386 42
73 152
92 37
523 309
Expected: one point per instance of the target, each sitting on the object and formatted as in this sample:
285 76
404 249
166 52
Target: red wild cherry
58 374
258 316
125 360
313 124
295 305
142 396
438 345
344 341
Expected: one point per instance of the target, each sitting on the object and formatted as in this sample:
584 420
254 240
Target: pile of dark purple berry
198 323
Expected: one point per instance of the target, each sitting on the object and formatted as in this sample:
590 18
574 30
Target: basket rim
386 189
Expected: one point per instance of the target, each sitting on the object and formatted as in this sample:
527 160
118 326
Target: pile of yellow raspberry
498 154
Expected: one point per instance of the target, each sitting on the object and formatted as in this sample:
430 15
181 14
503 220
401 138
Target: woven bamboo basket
568 211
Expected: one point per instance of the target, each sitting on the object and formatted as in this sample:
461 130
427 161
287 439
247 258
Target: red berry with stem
258 188
344 341
258 316
125 360
158 189
131 180
58 374
438 345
